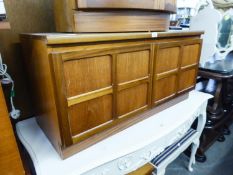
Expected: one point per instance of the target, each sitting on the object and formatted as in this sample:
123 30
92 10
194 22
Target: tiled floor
219 161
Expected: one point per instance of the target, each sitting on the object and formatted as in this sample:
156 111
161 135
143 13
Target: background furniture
210 37
112 15
10 161
219 111
223 4
94 85
125 151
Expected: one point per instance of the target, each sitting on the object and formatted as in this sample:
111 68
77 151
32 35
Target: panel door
166 69
189 65
133 81
96 89
175 68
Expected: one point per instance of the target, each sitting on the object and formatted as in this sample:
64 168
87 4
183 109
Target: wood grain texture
117 127
168 5
90 114
175 68
190 54
119 21
101 87
112 15
10 161
187 79
145 170
89 96
165 87
43 99
127 65
168 59
79 73
64 38
63 11
132 99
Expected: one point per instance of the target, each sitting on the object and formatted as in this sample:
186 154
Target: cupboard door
96 89
189 65
175 68
84 89
166 68
133 79
87 75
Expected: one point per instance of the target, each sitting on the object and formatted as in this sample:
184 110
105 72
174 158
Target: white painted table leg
162 172
192 160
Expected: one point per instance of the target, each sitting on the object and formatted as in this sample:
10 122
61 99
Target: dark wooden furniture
87 87
10 161
219 111
113 15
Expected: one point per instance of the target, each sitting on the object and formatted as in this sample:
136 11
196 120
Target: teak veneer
113 15
10 160
168 5
87 87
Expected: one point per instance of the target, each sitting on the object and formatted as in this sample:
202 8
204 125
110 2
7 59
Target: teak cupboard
87 87
113 15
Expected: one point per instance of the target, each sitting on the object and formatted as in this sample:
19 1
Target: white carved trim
135 160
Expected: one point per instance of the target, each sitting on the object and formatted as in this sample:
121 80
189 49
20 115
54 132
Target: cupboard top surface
70 38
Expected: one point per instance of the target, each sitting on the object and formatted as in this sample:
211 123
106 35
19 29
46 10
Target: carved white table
125 151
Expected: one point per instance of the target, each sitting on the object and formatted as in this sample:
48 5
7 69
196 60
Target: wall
24 16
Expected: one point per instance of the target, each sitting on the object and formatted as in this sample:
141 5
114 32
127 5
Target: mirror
225 31
225 34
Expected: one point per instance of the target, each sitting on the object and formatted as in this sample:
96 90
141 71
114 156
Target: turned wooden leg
192 161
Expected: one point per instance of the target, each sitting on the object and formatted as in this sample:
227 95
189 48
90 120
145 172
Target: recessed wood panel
90 114
133 65
91 100
190 54
89 74
187 79
131 99
164 87
167 59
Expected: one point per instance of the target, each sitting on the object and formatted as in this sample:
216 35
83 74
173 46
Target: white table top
47 161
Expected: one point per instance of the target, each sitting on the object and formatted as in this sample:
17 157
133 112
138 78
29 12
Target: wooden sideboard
113 15
87 87
10 161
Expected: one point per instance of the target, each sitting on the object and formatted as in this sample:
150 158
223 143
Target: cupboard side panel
39 74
